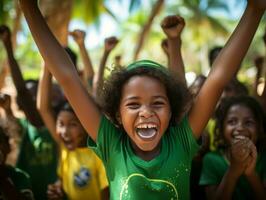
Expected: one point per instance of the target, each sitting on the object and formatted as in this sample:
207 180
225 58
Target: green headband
148 64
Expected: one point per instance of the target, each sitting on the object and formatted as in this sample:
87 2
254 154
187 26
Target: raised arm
173 26
225 66
44 102
258 61
109 45
164 45
62 68
25 99
79 37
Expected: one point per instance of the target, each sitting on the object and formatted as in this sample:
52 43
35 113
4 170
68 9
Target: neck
146 155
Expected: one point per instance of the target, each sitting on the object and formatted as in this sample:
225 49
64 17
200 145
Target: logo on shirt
152 188
82 177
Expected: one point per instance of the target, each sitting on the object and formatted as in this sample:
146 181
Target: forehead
66 115
143 86
240 110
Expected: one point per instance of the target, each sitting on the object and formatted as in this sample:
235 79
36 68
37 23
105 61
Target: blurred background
136 23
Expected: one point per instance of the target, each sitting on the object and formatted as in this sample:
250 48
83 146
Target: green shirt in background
130 177
21 181
38 157
215 166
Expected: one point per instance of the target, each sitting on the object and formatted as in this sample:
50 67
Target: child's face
144 111
70 130
240 121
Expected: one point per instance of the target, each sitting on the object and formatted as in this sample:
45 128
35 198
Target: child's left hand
173 26
250 169
110 43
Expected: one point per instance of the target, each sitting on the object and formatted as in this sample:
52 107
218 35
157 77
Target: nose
239 128
146 112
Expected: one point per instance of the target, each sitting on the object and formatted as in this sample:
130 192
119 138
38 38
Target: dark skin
173 26
24 97
109 44
79 37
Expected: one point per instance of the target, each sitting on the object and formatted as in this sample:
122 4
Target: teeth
146 126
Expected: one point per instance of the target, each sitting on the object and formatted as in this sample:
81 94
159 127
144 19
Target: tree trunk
146 28
57 14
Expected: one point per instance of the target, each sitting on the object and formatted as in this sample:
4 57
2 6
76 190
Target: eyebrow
153 97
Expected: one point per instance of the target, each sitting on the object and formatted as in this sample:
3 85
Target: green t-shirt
215 166
21 181
38 157
130 177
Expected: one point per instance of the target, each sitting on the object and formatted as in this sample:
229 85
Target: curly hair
255 108
110 94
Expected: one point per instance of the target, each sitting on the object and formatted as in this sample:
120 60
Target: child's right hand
55 191
173 26
78 36
240 154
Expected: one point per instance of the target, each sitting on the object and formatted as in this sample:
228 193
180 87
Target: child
173 26
146 156
14 183
109 44
237 170
87 73
37 151
81 172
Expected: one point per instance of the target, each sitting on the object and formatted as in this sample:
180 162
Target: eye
158 104
231 121
60 124
133 105
250 122
74 124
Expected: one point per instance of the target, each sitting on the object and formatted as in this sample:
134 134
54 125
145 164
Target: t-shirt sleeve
107 139
184 136
208 174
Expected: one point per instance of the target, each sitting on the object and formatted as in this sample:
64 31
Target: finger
170 22
180 19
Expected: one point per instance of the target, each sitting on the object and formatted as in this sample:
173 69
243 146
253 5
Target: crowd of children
142 133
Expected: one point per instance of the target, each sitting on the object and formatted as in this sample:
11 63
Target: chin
147 147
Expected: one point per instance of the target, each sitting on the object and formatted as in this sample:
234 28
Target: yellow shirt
82 174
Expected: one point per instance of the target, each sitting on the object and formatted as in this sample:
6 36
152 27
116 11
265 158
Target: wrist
81 44
235 172
174 39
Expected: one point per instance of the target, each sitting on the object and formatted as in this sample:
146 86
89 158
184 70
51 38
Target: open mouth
146 131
